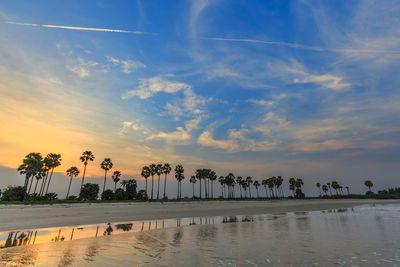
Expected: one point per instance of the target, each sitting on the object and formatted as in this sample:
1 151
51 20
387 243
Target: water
362 236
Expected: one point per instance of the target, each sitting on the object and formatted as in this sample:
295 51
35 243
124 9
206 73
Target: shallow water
362 236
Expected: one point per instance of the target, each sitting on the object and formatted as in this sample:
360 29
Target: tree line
38 171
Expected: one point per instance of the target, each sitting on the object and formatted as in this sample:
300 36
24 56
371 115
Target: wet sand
19 217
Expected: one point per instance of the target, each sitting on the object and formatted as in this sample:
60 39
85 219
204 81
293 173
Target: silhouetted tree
116 179
106 165
71 172
85 158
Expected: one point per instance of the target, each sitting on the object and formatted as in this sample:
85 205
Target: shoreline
15 217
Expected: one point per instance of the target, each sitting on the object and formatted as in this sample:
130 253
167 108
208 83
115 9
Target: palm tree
329 186
249 181
230 181
221 181
31 164
55 161
153 171
179 175
319 188
146 174
85 158
256 185
166 170
325 189
193 180
71 172
46 167
106 165
239 181
212 177
369 184
159 171
335 185
199 176
347 188
116 179
292 185
265 183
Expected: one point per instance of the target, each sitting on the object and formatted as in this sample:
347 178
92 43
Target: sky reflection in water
363 236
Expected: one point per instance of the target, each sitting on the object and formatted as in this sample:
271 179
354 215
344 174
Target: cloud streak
304 47
81 28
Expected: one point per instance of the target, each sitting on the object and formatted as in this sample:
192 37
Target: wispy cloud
327 80
80 28
128 66
305 47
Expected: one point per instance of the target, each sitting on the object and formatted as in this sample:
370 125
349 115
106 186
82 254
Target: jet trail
80 28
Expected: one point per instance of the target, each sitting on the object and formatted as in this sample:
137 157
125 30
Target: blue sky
295 88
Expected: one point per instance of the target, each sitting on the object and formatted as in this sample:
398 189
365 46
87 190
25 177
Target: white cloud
262 102
128 66
222 72
82 68
151 86
206 139
327 80
181 136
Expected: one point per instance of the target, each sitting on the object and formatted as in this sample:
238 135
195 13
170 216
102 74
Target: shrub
13 193
107 195
89 191
72 197
50 196
120 194
369 193
35 197
141 195
131 189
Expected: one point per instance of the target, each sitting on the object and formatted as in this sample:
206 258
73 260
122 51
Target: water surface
362 236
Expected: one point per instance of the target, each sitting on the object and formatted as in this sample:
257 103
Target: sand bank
16 217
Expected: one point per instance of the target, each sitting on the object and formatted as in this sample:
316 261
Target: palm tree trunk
193 189
266 192
257 192
115 187
222 191
37 181
69 187
205 189
165 185
177 194
48 184
30 185
43 183
158 188
200 187
152 185
146 188
83 178
320 194
105 177
212 189
250 191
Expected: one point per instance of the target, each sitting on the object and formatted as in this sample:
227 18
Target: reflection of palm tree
85 158
108 230
126 227
106 165
71 172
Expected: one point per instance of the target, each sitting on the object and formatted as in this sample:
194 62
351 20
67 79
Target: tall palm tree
249 181
347 188
325 189
369 184
106 165
265 183
146 174
335 185
193 180
329 186
115 178
71 172
212 177
179 176
221 181
46 167
159 171
199 176
85 158
256 185
166 170
239 180
55 161
230 181
319 188
153 171
30 166
40 176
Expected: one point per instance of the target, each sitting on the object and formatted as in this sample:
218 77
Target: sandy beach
18 217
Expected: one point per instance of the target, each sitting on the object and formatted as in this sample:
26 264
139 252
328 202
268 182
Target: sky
305 88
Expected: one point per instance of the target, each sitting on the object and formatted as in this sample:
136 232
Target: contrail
81 28
305 47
